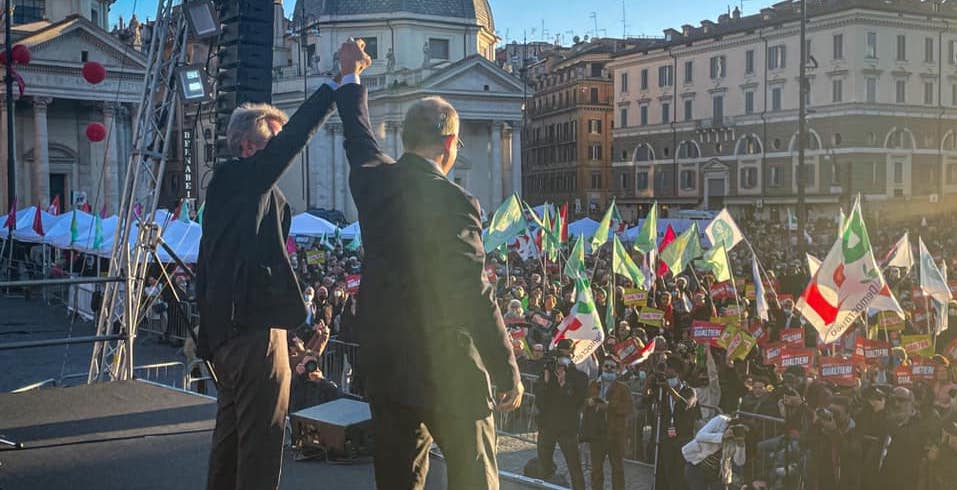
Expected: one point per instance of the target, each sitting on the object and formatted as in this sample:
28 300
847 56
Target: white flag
901 255
932 282
942 307
761 300
813 264
582 325
723 231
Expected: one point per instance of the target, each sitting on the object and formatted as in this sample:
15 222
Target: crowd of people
710 419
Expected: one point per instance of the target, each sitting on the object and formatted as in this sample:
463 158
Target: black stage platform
137 435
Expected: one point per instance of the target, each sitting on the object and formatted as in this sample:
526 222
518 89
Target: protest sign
736 342
797 357
313 257
706 333
542 320
838 371
890 321
922 371
651 316
870 352
772 353
627 351
633 297
722 290
794 337
917 344
352 283
902 375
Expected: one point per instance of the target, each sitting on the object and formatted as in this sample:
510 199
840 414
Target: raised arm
268 165
360 142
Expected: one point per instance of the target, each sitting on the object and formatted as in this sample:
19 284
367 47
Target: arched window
644 153
748 145
687 149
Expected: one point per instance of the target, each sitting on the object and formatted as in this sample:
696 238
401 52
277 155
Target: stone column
516 148
110 163
495 161
40 170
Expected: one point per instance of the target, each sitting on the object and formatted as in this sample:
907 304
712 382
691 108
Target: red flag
11 216
54 208
176 211
644 354
670 236
38 221
103 212
86 208
563 212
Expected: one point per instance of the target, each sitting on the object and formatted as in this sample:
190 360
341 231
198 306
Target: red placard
797 357
783 297
722 290
870 352
758 331
706 333
902 375
352 283
772 353
627 351
838 371
794 337
922 371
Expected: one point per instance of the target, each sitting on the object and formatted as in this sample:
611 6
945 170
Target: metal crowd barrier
171 323
774 456
338 365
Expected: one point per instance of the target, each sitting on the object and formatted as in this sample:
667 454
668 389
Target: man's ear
449 141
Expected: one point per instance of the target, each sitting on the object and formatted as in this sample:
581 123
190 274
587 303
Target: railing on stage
774 455
167 373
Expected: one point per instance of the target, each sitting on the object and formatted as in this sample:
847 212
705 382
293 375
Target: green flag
601 234
550 242
356 242
610 307
97 233
199 214
682 250
184 211
622 264
507 223
575 266
74 232
337 238
324 243
716 260
647 239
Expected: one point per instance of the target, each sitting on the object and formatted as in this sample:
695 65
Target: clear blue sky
560 16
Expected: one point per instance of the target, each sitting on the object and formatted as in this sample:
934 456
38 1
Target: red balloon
95 132
21 54
93 72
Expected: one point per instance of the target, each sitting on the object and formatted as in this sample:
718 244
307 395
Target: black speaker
244 60
341 428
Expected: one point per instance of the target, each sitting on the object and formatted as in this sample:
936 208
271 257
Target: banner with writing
797 357
794 337
749 291
722 290
838 371
759 332
542 320
871 352
890 321
706 333
917 344
902 376
628 351
922 371
314 257
352 283
635 297
651 316
772 353
736 342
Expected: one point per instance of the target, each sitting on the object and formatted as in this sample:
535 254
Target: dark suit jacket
244 278
620 407
430 331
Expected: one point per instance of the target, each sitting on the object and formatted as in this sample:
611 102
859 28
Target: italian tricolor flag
846 283
582 325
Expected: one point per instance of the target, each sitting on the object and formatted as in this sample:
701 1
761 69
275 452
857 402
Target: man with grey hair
431 334
247 292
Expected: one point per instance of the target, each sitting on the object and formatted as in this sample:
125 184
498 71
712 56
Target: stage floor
138 435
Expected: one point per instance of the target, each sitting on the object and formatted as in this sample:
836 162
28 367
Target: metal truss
133 249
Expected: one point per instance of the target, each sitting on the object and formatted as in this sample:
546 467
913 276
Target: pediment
63 43
473 75
715 166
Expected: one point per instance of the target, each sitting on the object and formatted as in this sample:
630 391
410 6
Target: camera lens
311 366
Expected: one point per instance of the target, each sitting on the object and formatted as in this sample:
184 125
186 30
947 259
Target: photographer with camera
834 448
605 424
309 387
906 445
676 411
713 452
562 398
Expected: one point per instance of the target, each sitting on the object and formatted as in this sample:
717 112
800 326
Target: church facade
419 49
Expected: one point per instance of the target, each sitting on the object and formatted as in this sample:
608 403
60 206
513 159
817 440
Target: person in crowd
428 371
677 407
834 447
717 448
906 444
562 398
872 428
605 424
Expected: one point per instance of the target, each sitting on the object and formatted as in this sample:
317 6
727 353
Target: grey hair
250 121
427 122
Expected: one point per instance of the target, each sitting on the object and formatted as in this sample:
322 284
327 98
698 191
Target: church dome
477 11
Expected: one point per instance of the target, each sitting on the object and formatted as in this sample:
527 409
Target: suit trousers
404 435
254 375
568 442
613 447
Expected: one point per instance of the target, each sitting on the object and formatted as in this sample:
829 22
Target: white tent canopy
184 239
351 231
306 224
24 228
85 241
679 225
59 235
584 227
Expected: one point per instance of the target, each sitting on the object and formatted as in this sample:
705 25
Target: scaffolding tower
137 235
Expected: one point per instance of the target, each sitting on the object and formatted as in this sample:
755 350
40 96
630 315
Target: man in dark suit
247 292
431 335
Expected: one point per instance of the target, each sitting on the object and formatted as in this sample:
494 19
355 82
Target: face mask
565 361
608 377
673 382
787 311
642 375
308 299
